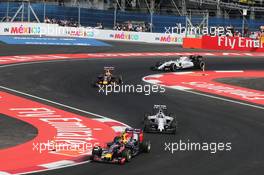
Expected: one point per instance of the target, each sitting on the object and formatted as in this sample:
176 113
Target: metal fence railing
77 15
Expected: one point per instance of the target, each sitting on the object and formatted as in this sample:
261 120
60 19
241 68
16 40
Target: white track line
66 106
59 104
210 96
224 99
60 163
229 71
52 102
76 109
4 173
65 166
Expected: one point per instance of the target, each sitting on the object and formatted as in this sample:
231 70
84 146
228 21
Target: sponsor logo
23 30
169 39
70 131
125 36
49 30
80 33
238 42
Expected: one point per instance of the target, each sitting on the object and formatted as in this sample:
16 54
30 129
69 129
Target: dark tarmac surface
14 132
201 119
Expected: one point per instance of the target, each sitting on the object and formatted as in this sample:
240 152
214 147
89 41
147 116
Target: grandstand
156 13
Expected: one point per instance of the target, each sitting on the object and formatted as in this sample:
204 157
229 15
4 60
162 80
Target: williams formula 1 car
183 62
107 78
123 148
159 121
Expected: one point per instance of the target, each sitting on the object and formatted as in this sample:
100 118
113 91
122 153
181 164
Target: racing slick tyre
173 67
158 64
153 68
127 155
145 146
174 124
146 117
117 80
97 151
94 84
174 127
146 126
120 79
202 65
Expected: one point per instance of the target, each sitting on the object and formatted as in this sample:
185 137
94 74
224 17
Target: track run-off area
53 91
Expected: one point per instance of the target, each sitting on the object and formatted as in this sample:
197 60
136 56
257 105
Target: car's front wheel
97 151
127 155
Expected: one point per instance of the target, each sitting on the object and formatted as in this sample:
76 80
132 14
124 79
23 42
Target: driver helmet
126 137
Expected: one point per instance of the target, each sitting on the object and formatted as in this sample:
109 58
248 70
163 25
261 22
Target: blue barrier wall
89 17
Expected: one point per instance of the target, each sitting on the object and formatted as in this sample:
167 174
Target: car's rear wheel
174 126
202 65
153 68
120 79
146 115
146 127
146 123
173 67
146 146
159 63
94 83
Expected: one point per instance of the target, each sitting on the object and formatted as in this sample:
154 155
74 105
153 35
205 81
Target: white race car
183 62
159 121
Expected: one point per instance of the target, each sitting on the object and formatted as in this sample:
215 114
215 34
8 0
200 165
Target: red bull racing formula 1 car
123 148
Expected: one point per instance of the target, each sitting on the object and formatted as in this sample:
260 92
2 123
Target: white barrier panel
85 32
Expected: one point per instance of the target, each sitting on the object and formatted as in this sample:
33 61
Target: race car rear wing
130 130
136 131
109 68
160 107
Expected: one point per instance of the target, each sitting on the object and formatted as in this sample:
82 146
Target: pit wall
54 30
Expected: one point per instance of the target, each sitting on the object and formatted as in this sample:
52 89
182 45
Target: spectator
129 26
68 23
47 20
99 25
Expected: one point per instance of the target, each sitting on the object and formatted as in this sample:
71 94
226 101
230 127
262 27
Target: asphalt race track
201 119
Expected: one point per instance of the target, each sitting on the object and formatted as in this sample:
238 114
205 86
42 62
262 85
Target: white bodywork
181 63
160 118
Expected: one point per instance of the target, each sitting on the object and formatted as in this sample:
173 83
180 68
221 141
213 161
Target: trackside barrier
192 43
232 43
43 29
224 43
